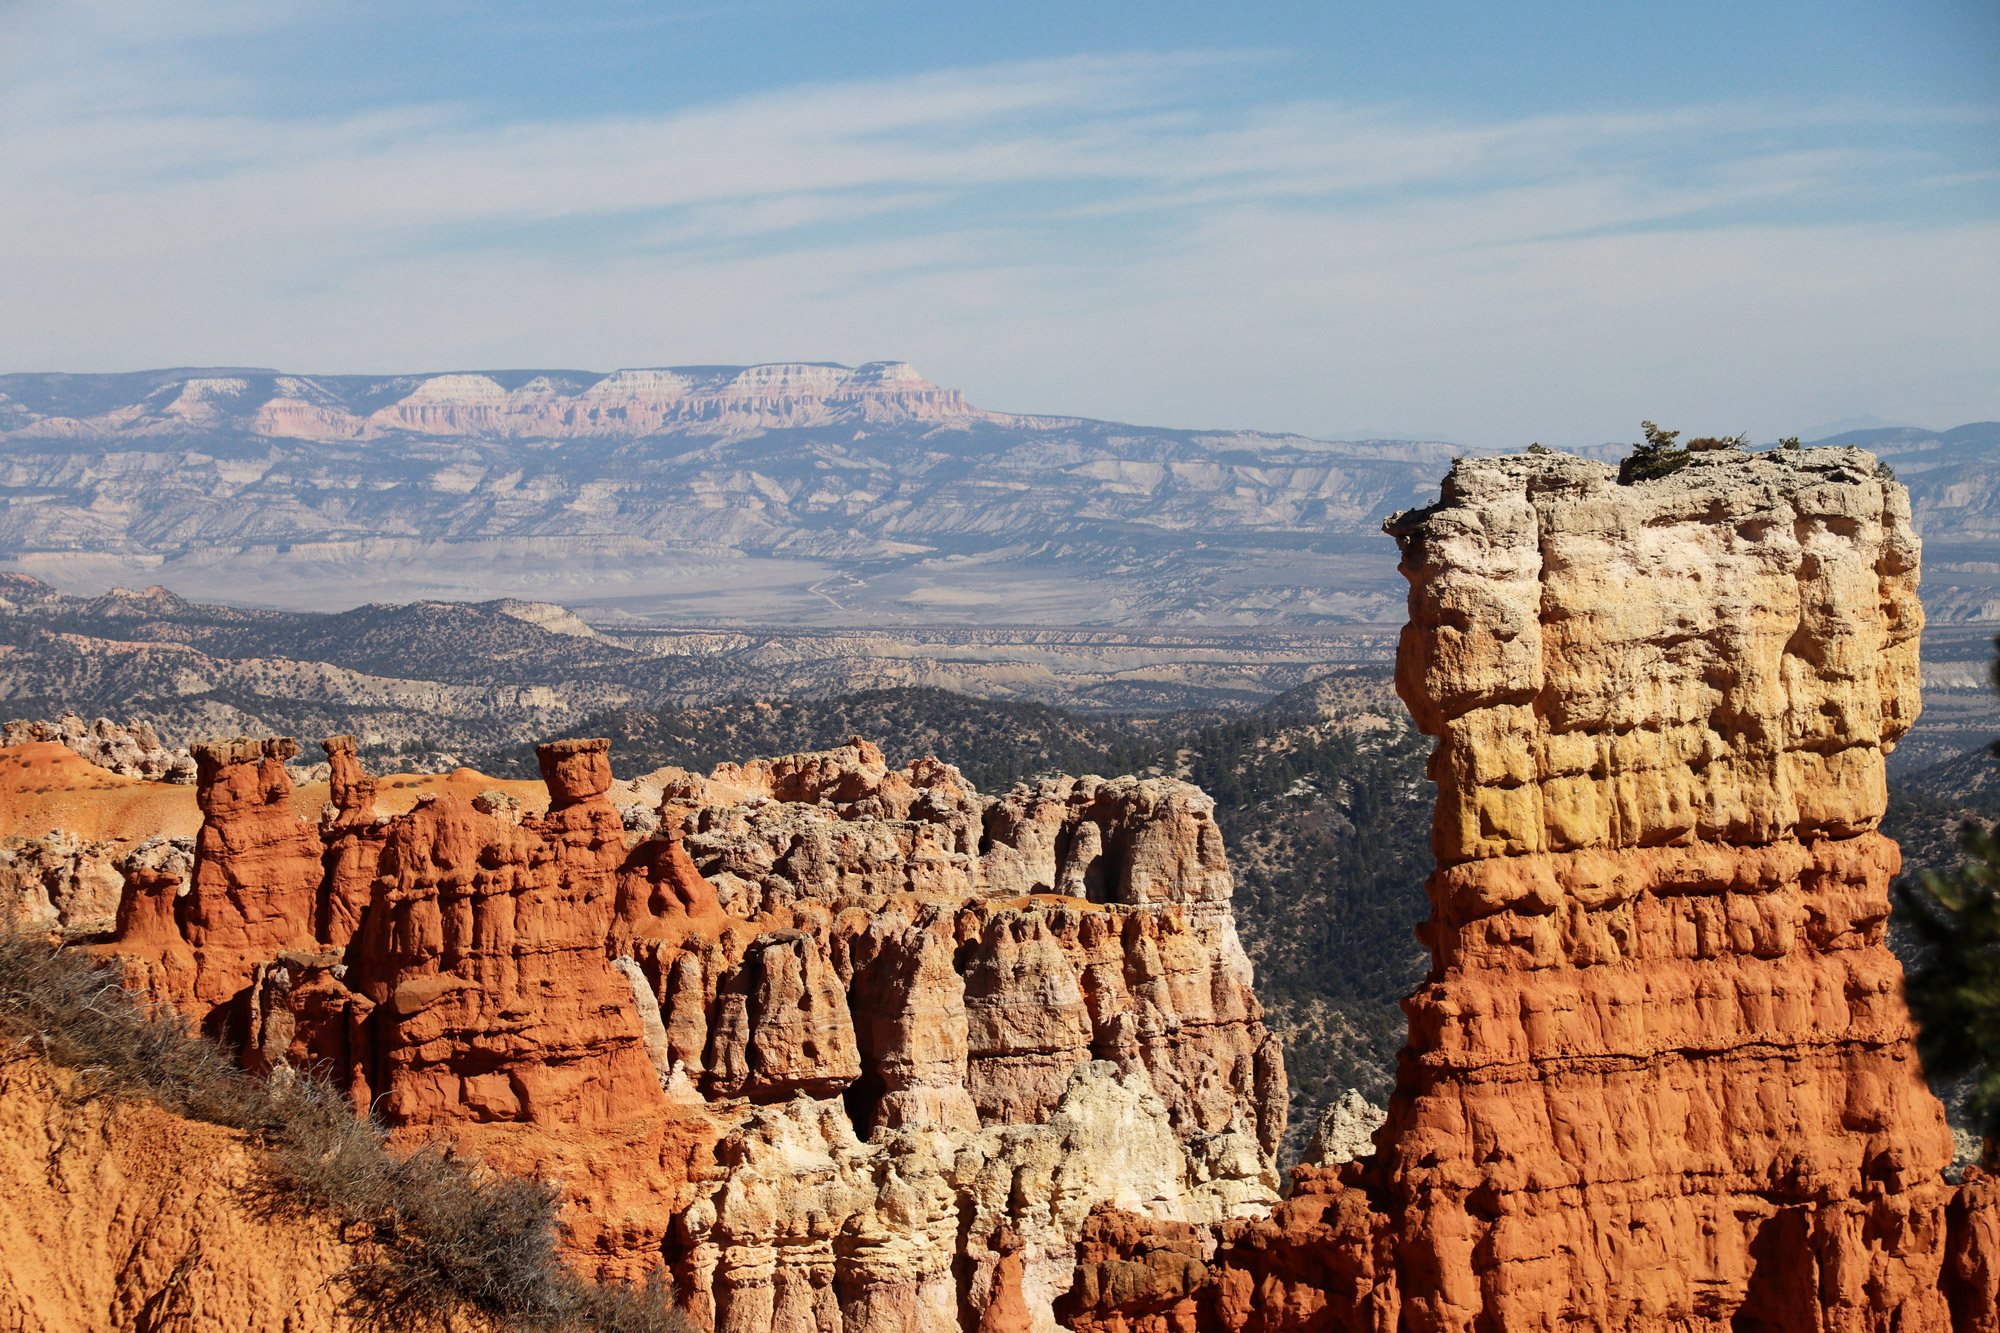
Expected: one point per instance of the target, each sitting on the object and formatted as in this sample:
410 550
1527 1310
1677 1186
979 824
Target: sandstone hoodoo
840 1046
1661 1074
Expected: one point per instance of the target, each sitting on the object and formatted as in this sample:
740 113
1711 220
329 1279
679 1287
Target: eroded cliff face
131 750
841 1046
1661 1074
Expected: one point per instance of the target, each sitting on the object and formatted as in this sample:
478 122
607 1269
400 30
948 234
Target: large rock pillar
1661 1074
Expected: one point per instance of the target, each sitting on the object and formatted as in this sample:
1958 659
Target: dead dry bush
446 1243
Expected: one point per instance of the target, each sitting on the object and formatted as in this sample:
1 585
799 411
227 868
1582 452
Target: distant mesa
535 404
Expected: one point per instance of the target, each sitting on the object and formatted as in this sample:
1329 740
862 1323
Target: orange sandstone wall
1660 1075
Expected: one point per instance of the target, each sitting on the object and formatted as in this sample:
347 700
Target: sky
1485 222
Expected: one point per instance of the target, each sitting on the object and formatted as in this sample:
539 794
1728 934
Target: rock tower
1661 1075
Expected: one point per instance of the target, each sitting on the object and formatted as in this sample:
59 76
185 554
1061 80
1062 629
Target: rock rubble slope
1661 1074
841 1047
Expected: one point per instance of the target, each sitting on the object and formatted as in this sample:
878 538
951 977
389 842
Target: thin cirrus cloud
1087 235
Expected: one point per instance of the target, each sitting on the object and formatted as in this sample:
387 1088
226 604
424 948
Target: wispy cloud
1090 232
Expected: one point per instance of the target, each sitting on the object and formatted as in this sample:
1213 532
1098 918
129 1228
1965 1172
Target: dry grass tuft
445 1240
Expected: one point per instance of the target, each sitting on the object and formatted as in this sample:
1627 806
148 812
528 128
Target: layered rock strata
841 1046
1661 1074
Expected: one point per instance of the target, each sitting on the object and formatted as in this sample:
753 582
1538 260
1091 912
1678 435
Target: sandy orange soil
45 786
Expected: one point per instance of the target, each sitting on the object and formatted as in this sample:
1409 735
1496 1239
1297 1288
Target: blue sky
1488 223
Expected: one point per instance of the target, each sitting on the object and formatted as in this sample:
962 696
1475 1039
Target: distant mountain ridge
539 404
788 493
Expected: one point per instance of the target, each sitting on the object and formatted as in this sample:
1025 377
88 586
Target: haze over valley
782 494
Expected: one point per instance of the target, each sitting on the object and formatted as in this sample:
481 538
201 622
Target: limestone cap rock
575 770
1725 653
213 756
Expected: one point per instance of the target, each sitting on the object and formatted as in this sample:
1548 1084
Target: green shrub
1655 456
1954 992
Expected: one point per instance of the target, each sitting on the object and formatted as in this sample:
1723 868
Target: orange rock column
1661 1074
257 872
353 842
483 950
